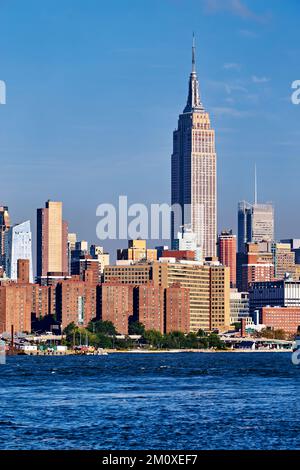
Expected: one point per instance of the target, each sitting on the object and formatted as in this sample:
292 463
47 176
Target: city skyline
247 96
149 229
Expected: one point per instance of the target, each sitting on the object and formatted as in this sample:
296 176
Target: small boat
101 352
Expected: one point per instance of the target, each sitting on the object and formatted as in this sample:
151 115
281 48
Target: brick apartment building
76 300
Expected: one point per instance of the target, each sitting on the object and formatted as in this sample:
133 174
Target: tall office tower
18 246
244 218
227 253
262 223
72 239
255 224
4 227
52 240
194 171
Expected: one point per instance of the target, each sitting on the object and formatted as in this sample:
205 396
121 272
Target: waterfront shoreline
158 351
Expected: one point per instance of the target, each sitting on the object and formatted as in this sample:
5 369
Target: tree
237 325
267 333
280 334
105 327
201 333
136 328
174 340
70 328
103 341
154 338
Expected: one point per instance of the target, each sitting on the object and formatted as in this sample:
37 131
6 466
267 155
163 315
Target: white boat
101 352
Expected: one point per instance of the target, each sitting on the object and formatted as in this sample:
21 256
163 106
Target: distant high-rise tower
52 240
194 170
4 227
18 246
255 222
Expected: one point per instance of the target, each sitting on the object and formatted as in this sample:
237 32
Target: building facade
137 251
285 293
177 309
15 308
149 306
219 298
227 253
128 274
76 301
284 260
281 318
116 302
239 306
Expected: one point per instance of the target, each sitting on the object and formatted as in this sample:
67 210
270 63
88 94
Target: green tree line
103 334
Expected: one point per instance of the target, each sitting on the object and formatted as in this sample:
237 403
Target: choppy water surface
151 401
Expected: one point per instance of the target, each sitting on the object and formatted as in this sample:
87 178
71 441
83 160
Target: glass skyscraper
18 245
4 227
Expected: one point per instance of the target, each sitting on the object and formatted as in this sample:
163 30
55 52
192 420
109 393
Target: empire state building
194 170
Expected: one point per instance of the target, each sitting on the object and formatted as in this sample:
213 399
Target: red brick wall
177 308
149 305
117 305
281 318
15 308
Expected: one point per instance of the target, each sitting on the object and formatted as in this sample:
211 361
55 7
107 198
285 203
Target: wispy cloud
230 88
236 7
232 66
256 79
231 112
247 33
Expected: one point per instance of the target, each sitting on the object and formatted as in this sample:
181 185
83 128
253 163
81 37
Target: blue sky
94 90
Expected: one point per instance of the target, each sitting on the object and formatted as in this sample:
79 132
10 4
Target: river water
179 401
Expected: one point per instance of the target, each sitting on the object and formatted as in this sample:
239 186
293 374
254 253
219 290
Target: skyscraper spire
193 101
194 55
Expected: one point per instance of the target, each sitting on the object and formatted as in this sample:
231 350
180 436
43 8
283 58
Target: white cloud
232 112
236 7
256 79
247 33
232 66
230 88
